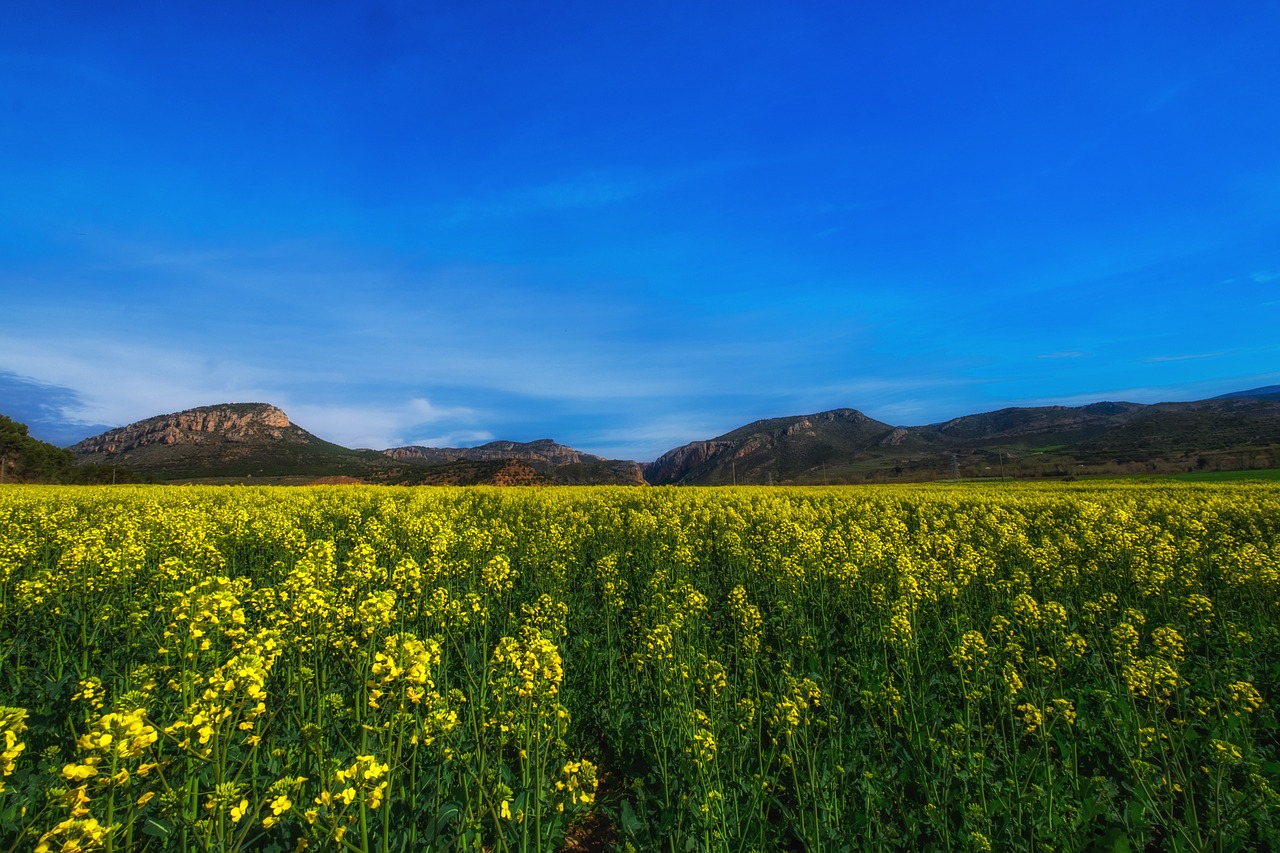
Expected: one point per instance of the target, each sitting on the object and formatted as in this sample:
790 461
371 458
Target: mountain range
256 442
844 445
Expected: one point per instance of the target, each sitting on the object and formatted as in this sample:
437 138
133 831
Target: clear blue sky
629 226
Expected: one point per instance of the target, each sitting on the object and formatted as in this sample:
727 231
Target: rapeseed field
958 667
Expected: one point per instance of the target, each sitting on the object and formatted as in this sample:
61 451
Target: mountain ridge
242 441
1264 391
1104 437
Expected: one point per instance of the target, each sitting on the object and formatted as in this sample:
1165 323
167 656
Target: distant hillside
24 459
770 450
228 441
256 442
845 445
236 442
1265 392
551 461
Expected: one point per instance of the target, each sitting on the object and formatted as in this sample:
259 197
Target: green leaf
157 828
629 820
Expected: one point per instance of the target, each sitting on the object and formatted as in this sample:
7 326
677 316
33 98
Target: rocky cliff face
672 466
234 422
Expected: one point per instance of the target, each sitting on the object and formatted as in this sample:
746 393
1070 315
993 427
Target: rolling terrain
256 442
844 445
241 442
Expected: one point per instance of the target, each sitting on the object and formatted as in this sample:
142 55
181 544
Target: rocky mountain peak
234 422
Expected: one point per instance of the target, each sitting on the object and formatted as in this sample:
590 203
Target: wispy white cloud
1147 394
116 383
584 191
1068 354
1199 390
1264 276
907 412
1162 358
591 189
881 396
119 382
651 436
1165 97
376 426
457 438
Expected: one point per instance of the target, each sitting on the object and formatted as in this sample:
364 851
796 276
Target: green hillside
24 459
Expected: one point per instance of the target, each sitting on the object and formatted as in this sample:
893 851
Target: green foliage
29 460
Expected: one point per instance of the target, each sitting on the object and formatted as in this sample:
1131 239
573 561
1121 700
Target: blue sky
629 226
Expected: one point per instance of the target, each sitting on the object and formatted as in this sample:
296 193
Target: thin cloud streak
458 438
1163 358
582 192
373 427
119 383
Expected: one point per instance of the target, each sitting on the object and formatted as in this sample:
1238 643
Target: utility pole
955 465
1002 466
734 464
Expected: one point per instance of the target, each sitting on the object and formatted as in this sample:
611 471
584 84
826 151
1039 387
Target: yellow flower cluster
405 662
233 697
90 693
497 575
972 652
529 667
1034 716
1245 698
1153 678
376 612
12 725
111 750
365 778
1124 640
747 620
576 785
74 835
612 587
118 736
795 709
1169 643
702 746
901 631
1026 610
